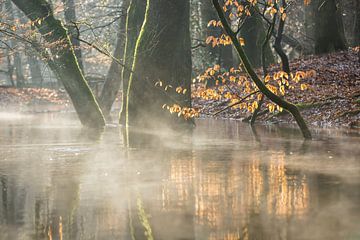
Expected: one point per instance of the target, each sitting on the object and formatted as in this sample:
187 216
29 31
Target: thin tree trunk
163 53
20 79
35 71
113 79
10 69
277 45
65 63
134 21
262 87
70 18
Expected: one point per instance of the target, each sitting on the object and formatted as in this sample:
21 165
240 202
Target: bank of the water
332 100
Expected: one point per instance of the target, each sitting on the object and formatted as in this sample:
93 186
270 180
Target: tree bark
253 32
329 29
35 71
134 22
357 25
20 79
70 19
66 65
255 78
208 13
285 65
163 53
113 79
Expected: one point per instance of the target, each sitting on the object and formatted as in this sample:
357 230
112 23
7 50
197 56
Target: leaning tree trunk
329 29
134 21
113 78
66 65
70 18
163 53
255 78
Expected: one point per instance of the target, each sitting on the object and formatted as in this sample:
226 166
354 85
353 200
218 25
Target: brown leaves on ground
30 96
333 98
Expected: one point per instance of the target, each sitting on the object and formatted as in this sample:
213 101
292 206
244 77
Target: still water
224 181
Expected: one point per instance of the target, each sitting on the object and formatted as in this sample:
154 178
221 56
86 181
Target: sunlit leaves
236 85
185 112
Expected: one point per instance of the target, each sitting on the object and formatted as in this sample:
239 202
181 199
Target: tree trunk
357 25
207 14
70 19
134 21
113 78
329 29
35 71
285 65
20 79
163 53
253 32
10 69
66 66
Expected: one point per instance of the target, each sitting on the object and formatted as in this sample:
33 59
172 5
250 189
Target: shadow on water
223 181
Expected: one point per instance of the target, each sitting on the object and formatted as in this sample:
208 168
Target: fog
62 181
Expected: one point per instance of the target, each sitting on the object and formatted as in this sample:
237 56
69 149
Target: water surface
224 181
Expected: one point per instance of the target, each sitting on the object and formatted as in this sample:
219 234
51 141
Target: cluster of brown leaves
235 87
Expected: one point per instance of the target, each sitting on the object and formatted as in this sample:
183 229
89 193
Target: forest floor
333 98
33 100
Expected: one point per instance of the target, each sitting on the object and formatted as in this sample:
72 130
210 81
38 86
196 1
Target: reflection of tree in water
42 206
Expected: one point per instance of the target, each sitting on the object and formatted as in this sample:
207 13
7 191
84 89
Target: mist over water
223 181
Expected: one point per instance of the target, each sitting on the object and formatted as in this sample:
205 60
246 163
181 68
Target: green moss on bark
65 63
163 53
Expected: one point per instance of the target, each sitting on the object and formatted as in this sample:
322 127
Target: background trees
98 31
64 62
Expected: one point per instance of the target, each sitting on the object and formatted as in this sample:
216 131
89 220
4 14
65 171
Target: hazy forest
179 119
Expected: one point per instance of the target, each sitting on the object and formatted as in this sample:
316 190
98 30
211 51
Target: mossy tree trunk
66 66
134 22
329 28
113 79
163 53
